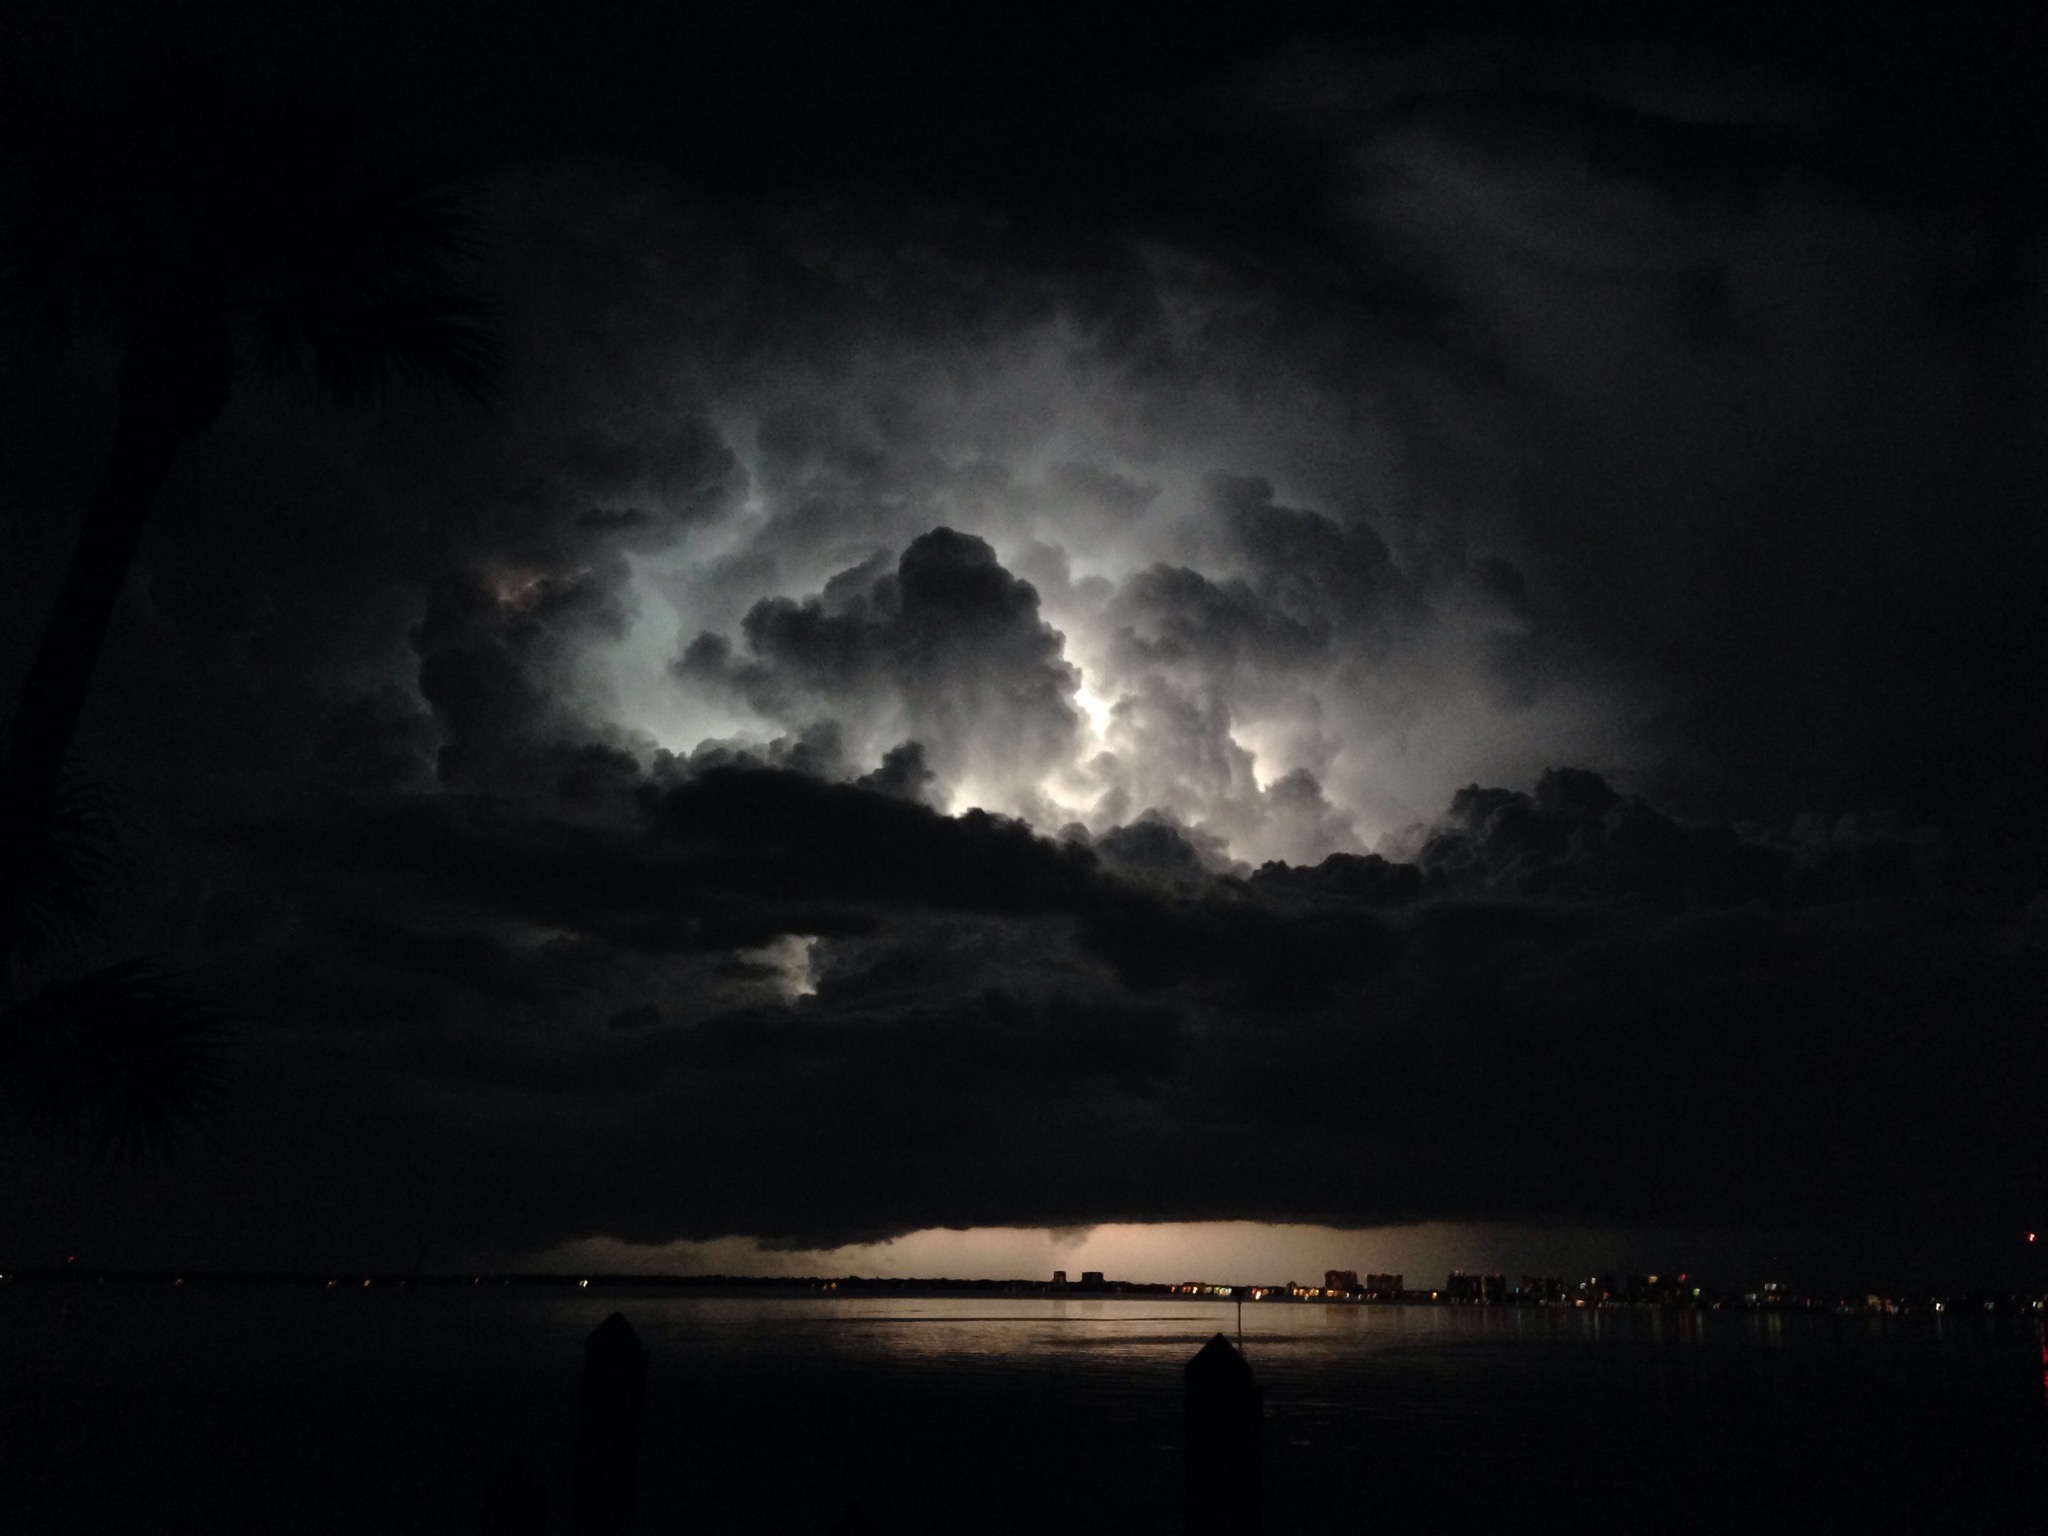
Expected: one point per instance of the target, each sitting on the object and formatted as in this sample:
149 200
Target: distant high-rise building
1059 1277
1483 1289
1341 1280
1091 1277
1384 1285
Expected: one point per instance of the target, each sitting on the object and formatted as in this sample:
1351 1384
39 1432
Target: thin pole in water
1240 1322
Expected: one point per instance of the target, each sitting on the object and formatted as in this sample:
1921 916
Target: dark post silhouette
1221 1443
608 1429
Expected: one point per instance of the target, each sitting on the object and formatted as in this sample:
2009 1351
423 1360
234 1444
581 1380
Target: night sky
1068 622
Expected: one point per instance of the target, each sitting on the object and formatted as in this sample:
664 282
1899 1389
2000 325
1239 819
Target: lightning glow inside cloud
1185 576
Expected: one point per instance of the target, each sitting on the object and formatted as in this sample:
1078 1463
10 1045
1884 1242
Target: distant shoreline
850 1286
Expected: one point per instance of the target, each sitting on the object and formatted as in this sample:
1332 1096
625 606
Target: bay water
242 1409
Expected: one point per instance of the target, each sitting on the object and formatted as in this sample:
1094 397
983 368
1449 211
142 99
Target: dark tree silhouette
213 228
126 1054
206 228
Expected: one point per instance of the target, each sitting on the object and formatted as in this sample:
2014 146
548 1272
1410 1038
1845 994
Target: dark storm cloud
728 857
1741 374
1153 847
1575 838
787 836
1552 1058
1314 591
903 773
377 741
1320 650
1572 1009
946 649
851 1016
494 662
1520 405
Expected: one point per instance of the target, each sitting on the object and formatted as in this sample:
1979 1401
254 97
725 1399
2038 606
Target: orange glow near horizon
1221 1252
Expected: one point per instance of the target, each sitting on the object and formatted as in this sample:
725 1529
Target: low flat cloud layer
749 1001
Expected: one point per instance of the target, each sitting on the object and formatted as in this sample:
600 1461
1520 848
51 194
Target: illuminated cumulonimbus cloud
1107 528
1298 696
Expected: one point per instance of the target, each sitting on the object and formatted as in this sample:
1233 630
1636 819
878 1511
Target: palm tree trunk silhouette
210 221
214 222
174 382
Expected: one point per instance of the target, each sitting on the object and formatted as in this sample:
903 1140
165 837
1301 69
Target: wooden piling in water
1221 1443
608 1430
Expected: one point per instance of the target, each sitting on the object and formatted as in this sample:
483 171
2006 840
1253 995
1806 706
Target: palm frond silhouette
128 1055
56 870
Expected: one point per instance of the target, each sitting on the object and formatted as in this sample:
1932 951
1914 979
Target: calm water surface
246 1410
